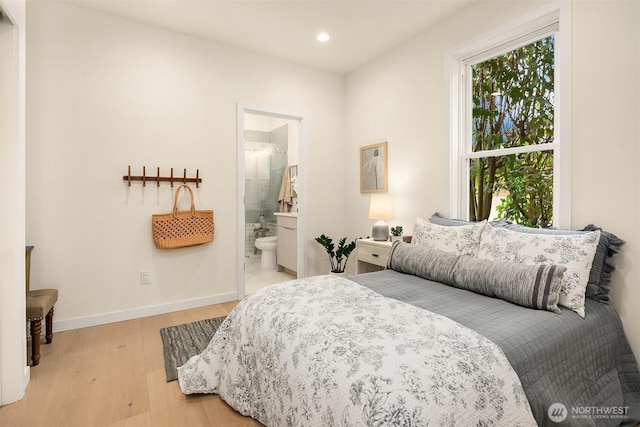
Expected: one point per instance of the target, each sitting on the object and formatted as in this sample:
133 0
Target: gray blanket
584 364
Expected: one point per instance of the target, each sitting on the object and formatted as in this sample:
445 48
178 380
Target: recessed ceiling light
323 37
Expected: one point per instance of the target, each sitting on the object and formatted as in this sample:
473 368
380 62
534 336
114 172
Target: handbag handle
175 201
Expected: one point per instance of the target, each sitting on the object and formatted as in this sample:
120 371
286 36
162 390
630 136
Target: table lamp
380 209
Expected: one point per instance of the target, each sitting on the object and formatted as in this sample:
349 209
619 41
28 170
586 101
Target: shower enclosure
265 162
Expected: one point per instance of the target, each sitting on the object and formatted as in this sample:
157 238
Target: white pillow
574 251
462 240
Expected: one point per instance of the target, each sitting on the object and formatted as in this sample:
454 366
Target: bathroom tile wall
250 239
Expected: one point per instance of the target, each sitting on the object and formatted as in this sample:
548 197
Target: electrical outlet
145 277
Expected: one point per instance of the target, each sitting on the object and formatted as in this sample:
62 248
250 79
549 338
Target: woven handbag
182 228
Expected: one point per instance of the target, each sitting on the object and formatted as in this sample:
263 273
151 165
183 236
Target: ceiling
360 29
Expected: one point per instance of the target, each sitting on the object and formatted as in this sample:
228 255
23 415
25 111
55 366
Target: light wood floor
113 375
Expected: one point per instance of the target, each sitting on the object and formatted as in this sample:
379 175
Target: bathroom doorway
269 187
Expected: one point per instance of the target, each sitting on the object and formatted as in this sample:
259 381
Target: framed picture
373 168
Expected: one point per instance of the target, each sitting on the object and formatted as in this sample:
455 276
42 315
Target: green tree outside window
513 106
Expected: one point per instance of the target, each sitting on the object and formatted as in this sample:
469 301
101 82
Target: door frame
14 371
243 109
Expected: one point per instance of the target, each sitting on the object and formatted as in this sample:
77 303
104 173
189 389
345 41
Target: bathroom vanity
287 250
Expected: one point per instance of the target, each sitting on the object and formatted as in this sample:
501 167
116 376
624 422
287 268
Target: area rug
181 342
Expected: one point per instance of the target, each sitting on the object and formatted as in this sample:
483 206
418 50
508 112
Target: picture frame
374 176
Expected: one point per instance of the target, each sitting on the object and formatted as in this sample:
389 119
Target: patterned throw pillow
574 251
462 240
604 262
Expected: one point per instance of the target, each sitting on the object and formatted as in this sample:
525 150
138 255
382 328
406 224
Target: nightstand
372 255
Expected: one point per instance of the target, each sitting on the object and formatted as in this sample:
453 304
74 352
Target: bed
559 358
397 348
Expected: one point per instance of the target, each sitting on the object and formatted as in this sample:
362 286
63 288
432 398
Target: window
509 149
510 169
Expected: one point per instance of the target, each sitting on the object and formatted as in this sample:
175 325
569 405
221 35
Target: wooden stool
39 305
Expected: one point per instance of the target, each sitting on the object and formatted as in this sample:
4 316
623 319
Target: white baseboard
26 377
136 313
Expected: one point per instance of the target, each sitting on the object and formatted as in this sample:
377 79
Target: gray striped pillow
533 286
422 261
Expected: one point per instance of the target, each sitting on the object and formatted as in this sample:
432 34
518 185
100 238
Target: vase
342 273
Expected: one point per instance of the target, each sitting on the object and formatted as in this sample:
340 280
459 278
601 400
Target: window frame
555 19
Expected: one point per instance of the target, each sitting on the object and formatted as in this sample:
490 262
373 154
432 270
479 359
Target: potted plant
396 233
339 256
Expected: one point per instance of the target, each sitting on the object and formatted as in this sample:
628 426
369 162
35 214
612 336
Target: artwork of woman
373 169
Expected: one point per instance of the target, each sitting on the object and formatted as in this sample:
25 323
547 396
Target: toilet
268 247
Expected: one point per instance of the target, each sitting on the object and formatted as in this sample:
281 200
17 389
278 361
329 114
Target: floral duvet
325 351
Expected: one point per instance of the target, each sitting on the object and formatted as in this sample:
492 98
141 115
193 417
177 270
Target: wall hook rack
158 179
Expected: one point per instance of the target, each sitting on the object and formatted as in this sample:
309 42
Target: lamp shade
380 207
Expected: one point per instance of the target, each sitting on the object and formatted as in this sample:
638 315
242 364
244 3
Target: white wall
399 98
606 138
104 93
